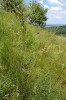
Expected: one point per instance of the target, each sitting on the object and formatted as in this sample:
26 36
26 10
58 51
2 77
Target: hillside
32 61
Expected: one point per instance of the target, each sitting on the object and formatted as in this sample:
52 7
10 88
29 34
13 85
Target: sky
56 10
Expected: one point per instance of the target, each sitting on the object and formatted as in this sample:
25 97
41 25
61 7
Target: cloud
55 17
41 1
55 2
46 6
56 12
56 8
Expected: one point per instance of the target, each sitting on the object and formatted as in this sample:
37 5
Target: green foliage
37 14
12 5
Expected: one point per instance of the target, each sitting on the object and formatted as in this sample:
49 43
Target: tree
12 5
16 6
37 14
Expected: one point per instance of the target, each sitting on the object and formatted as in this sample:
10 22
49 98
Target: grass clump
32 65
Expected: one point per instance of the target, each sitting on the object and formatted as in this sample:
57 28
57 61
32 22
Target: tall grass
32 66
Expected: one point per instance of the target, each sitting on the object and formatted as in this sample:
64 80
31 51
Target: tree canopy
12 5
37 14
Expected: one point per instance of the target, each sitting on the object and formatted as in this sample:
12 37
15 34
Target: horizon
57 24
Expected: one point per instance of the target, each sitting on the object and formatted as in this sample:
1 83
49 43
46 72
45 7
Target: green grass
32 65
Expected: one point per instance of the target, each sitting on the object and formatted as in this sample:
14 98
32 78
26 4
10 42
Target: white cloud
55 17
56 8
56 12
41 1
58 17
46 6
55 2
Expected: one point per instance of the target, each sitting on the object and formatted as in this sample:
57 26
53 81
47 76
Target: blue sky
56 10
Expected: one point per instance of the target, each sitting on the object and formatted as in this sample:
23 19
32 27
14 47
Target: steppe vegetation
32 61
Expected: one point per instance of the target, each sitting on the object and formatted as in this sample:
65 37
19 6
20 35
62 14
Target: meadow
32 61
59 30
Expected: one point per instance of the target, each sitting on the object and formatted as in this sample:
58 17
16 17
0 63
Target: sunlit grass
32 64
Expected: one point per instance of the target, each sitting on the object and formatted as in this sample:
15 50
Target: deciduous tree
37 14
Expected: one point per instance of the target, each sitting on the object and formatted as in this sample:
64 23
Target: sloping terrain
32 62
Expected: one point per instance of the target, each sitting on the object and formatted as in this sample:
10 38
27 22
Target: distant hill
55 25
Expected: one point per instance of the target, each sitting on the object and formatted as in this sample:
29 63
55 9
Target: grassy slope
32 64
